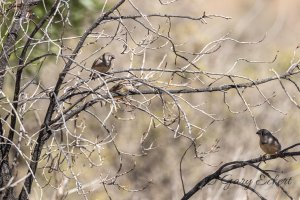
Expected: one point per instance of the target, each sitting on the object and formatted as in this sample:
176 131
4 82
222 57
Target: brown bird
122 88
102 64
268 143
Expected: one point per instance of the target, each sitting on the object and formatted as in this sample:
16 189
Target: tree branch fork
254 163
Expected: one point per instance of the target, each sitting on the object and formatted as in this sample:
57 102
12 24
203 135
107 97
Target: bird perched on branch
267 142
102 64
122 88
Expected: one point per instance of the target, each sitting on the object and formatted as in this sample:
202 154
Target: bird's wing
115 88
97 61
276 141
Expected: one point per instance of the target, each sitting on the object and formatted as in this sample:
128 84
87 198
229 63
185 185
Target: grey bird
102 64
267 142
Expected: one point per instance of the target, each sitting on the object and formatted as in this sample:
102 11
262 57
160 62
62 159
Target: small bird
122 88
268 143
102 64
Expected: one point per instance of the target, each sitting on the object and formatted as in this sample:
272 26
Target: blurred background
265 33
